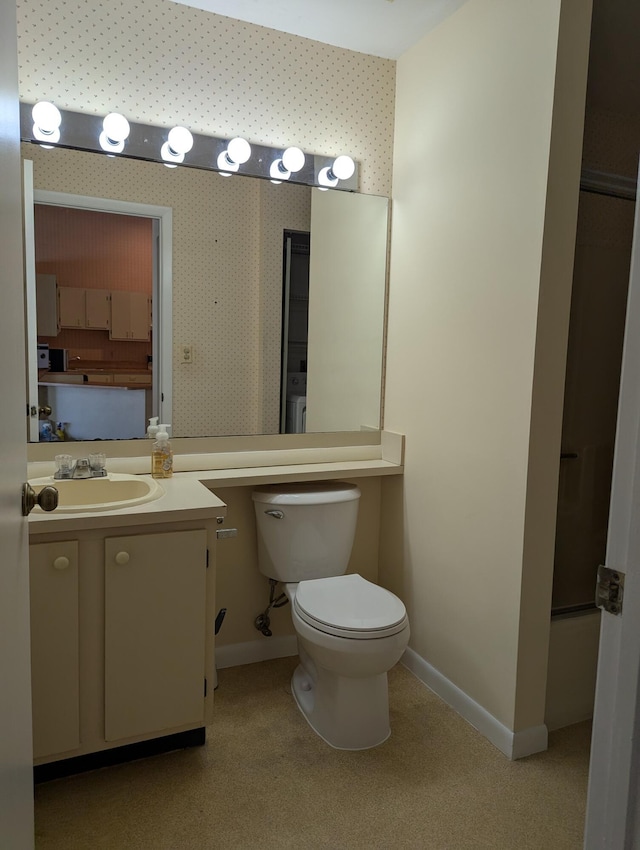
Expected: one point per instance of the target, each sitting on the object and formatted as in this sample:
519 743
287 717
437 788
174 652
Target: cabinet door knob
122 558
61 562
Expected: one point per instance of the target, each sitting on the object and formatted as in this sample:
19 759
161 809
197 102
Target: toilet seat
349 606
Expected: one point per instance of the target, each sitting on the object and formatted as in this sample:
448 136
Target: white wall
472 153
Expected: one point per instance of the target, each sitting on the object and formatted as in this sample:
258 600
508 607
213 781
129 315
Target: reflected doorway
295 331
99 316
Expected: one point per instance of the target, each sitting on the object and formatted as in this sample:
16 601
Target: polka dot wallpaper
227 278
163 63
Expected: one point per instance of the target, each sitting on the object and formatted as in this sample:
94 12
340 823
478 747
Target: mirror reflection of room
94 283
225 275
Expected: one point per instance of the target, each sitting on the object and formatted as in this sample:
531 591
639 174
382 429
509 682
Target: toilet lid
350 605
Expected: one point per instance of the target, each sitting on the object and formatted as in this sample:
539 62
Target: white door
613 809
16 793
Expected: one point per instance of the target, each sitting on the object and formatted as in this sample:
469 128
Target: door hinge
610 590
207 559
205 687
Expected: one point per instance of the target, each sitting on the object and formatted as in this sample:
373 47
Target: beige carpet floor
265 780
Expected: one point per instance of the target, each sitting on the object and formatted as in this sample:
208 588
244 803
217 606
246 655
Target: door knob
122 558
47 498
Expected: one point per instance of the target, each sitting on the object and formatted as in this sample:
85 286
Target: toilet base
347 713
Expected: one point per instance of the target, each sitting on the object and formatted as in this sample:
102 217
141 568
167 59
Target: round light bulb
278 171
180 140
238 150
226 165
343 167
293 159
116 127
46 116
168 154
325 180
107 144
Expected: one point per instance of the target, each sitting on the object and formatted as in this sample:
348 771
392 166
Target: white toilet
350 631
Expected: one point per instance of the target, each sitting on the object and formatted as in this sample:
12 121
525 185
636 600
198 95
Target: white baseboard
263 649
514 745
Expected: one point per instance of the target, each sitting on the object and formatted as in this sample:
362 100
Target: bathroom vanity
123 603
122 623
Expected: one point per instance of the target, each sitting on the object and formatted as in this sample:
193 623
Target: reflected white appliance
350 631
296 408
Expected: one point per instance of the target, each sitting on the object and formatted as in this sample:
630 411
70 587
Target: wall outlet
186 354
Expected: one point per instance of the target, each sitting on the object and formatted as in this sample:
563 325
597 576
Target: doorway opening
99 317
295 331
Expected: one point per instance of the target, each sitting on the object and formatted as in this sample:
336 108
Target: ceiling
379 27
387 28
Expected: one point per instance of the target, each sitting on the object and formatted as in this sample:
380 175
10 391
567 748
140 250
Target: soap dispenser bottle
153 428
162 454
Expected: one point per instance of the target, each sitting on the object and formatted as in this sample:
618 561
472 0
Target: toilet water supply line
262 621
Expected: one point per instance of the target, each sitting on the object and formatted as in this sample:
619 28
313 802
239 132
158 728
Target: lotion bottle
153 428
162 454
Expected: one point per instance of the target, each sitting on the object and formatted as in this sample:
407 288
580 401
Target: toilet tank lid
312 493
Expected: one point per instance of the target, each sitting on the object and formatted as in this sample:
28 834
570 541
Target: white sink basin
115 490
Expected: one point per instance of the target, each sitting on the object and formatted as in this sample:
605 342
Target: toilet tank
305 530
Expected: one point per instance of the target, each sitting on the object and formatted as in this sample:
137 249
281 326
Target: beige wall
475 103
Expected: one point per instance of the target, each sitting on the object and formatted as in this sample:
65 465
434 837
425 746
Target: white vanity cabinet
55 664
122 636
155 632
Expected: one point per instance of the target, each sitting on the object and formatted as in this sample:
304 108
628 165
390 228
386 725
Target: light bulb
327 178
293 159
46 121
116 130
168 154
343 167
238 150
225 165
180 140
278 171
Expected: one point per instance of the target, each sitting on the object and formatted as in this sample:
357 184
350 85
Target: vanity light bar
81 131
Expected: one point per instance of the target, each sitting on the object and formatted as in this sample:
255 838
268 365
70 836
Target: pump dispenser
153 428
162 454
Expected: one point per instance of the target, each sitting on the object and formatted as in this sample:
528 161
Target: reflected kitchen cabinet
71 307
130 315
83 308
47 305
97 309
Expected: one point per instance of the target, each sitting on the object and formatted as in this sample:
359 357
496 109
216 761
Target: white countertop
185 498
188 494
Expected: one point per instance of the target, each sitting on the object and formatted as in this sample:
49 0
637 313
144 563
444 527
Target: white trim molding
514 745
263 649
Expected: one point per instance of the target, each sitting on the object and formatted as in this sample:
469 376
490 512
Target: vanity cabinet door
53 573
155 635
98 309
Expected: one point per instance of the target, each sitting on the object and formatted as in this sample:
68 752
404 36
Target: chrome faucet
81 468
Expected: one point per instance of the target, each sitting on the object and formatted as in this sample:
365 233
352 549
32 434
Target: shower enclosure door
598 307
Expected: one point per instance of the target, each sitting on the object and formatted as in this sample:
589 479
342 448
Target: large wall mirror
277 302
